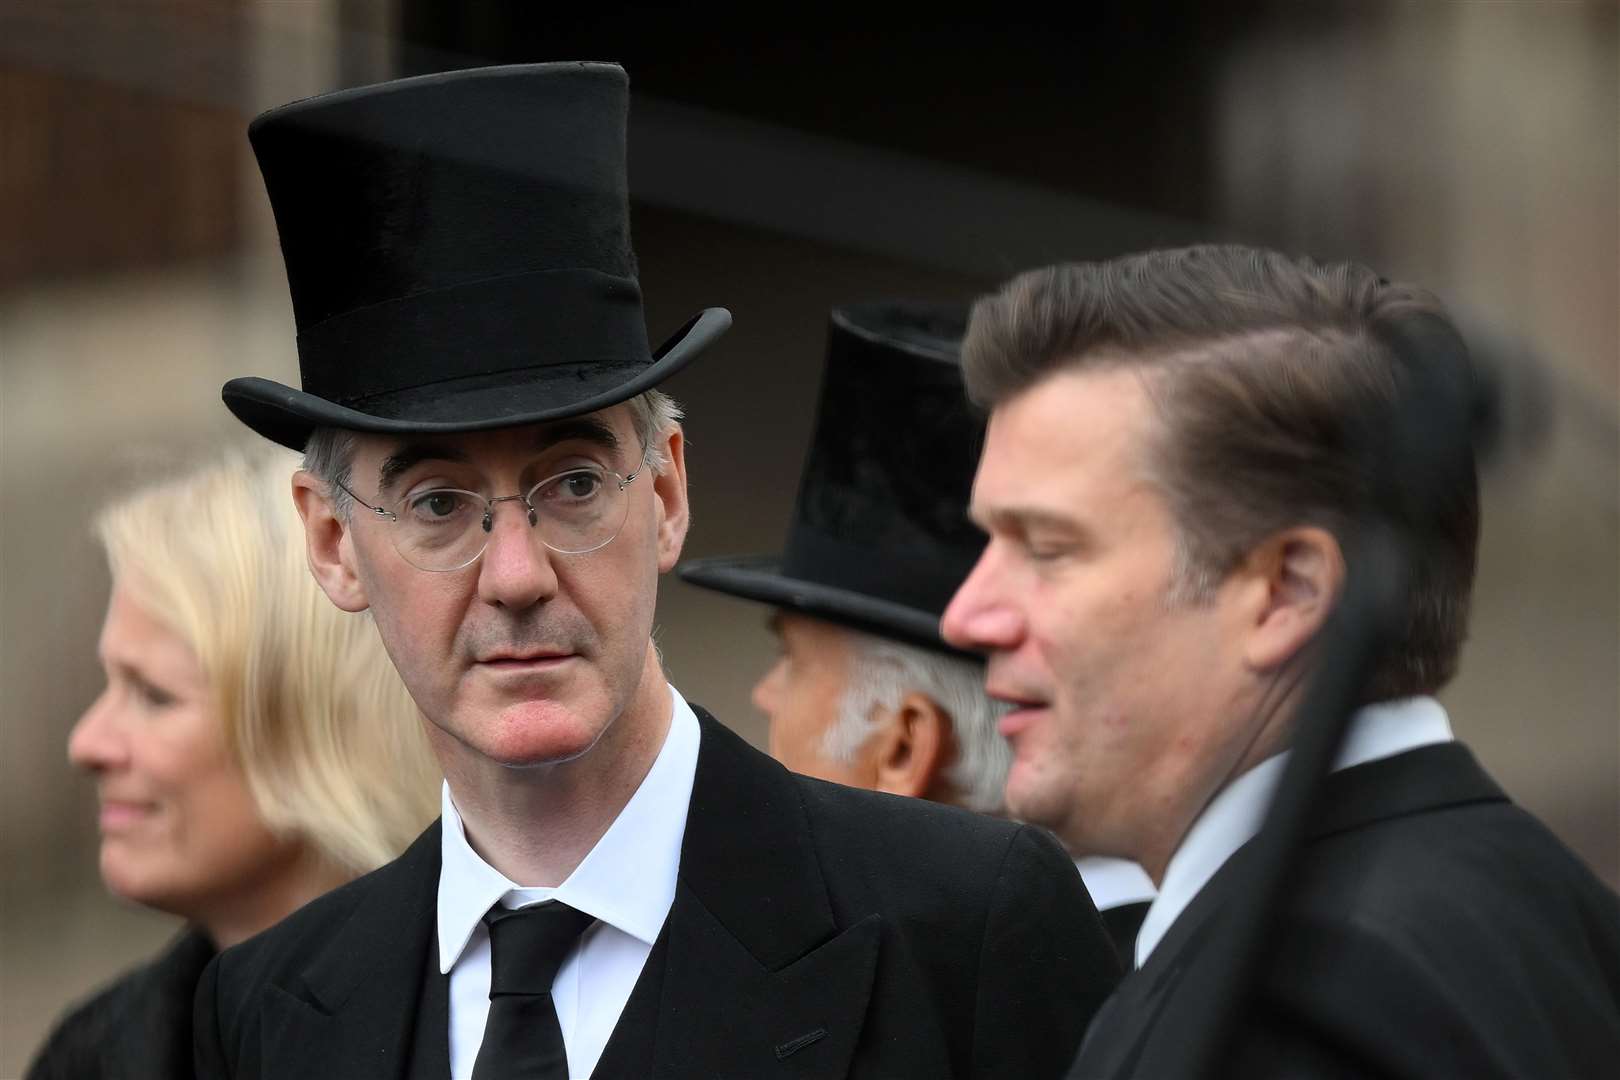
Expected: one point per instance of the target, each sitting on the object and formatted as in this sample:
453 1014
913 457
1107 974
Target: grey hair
652 414
882 672
329 451
329 454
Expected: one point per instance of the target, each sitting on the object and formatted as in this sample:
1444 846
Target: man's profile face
801 693
1070 599
526 656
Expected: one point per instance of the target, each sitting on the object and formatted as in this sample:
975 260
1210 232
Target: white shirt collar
1236 813
1114 882
627 880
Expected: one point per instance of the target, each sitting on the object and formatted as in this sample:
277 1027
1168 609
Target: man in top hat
864 690
618 885
1184 450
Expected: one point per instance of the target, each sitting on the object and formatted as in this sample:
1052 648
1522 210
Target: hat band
479 328
919 574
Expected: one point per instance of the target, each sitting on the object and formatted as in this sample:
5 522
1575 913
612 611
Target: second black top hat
880 537
458 251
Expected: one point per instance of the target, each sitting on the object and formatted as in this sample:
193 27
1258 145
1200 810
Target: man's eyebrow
584 428
588 429
400 461
1023 519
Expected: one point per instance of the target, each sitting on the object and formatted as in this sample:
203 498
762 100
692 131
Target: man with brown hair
1171 473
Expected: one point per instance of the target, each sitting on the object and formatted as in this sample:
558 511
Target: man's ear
669 489
1295 578
912 748
328 543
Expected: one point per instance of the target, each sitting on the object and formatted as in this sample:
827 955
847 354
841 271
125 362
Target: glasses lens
579 510
441 529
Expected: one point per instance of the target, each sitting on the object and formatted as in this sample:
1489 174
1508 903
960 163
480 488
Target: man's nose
762 695
982 615
515 570
96 743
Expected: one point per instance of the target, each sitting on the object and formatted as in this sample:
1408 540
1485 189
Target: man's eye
437 505
577 485
1044 552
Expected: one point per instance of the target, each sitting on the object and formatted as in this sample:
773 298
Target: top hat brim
760 578
287 415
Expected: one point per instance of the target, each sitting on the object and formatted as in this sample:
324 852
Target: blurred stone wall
1473 149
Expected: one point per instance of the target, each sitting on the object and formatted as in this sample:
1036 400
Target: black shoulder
1494 949
930 830
992 913
952 855
876 852
139 1025
293 941
74 1048
301 932
1452 875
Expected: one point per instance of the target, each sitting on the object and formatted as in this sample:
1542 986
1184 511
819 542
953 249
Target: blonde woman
253 747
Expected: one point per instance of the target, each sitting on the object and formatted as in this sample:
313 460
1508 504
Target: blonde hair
313 711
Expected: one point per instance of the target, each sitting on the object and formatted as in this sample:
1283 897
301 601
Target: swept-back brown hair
1264 369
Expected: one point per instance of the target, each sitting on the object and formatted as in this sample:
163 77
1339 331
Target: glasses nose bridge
522 497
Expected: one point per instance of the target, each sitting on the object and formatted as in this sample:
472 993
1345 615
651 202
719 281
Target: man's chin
1030 796
528 734
522 760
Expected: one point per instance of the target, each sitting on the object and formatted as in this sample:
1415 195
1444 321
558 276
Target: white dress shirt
1239 809
627 881
1114 882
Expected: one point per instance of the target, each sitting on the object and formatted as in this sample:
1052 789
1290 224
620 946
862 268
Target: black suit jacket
1433 929
817 931
138 1028
1123 921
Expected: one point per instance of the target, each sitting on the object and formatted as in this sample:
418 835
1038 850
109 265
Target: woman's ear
328 543
1297 576
669 489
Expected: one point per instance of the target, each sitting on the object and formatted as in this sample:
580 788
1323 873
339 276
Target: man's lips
536 661
1023 710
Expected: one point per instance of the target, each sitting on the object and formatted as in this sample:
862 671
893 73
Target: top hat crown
458 253
880 537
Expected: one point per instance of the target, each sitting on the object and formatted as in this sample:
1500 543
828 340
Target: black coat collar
1417 781
760 978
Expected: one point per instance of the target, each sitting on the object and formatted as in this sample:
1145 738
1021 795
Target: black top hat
880 537
458 250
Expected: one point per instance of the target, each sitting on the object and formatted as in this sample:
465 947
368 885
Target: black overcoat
136 1028
816 931
1434 930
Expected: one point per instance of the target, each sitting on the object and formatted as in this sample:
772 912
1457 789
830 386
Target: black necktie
522 1039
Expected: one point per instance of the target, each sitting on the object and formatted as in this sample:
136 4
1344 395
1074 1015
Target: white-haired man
864 691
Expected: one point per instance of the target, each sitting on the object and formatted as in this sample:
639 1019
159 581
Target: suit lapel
726 1014
350 1011
1122 923
1118 1033
761 981
1417 781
